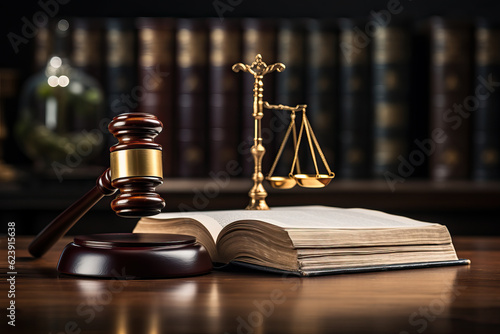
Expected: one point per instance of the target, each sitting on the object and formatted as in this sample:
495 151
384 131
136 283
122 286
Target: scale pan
281 182
313 181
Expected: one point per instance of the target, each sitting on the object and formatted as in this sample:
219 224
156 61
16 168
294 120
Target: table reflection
250 302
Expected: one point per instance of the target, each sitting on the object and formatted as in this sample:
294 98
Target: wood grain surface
463 299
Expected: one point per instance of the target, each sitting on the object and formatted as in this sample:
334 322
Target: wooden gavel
135 169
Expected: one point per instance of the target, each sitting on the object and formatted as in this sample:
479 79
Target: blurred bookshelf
465 207
465 196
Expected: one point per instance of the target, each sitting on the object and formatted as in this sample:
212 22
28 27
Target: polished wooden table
462 299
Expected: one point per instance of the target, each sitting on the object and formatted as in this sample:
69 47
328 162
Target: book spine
390 72
419 101
192 63
321 89
155 95
87 56
259 36
120 67
88 47
290 87
485 138
42 47
450 86
224 93
354 110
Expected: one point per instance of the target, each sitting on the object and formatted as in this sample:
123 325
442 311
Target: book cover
355 117
259 37
42 48
290 87
451 78
121 71
88 46
321 88
486 119
224 93
191 82
155 89
391 88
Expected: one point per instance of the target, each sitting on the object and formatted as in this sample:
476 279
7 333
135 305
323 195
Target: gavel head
136 165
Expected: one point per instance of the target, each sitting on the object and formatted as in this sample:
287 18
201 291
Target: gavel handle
62 223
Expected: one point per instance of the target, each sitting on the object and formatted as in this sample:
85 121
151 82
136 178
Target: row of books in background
406 99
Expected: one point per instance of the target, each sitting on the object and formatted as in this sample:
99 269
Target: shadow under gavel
135 169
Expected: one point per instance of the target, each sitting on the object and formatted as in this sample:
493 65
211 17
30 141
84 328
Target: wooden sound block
134 255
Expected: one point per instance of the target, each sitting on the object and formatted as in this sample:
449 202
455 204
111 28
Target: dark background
13 11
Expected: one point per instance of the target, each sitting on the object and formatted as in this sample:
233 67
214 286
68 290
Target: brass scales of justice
258 193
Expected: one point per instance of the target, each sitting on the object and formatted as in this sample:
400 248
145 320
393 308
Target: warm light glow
63 81
55 62
63 25
53 81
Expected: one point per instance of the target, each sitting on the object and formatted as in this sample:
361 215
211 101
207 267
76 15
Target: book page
300 217
341 218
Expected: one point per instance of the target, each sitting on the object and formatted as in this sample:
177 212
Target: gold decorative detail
390 45
191 83
321 56
451 82
255 40
352 54
194 155
304 180
448 47
387 151
489 156
258 69
258 193
451 157
43 47
86 47
156 47
136 162
487 48
120 46
391 79
355 156
190 48
389 115
288 44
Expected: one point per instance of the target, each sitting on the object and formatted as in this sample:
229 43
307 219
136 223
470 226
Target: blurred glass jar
60 111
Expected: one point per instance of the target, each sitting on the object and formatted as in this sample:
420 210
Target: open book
311 240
